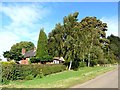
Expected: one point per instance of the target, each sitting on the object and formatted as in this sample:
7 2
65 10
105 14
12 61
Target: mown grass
63 79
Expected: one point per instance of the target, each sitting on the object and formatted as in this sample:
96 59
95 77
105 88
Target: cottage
32 53
58 60
27 55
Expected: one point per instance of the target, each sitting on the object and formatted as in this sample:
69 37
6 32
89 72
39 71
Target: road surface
107 80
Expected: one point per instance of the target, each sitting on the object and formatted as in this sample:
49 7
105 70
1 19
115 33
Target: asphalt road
107 80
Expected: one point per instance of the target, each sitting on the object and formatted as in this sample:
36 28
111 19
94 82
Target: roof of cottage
59 58
30 53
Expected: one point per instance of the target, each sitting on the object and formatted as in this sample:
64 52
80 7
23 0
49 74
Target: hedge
12 71
44 58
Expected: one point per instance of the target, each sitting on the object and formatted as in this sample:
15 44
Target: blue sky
22 21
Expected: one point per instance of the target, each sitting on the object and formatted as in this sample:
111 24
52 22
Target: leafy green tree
56 41
42 45
15 52
94 34
23 44
61 39
12 56
97 55
79 41
7 55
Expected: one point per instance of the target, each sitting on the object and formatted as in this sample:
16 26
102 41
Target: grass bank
63 79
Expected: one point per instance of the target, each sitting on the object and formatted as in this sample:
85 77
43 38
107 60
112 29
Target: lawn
63 79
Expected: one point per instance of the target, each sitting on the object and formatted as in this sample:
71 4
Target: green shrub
14 71
29 77
40 75
8 70
75 65
5 81
47 58
44 58
93 62
35 60
82 64
103 61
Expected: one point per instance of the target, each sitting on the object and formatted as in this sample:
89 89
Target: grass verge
64 79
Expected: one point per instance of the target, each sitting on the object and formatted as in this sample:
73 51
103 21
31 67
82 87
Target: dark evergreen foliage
42 45
115 45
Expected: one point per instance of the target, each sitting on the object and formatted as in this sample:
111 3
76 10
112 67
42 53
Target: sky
22 21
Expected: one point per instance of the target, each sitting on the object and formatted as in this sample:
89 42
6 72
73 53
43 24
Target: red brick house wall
24 61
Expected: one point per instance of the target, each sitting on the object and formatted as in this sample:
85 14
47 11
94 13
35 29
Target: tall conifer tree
42 44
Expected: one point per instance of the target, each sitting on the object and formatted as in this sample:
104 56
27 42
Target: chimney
23 51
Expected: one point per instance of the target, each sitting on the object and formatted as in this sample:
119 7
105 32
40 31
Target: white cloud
7 40
24 24
112 23
26 13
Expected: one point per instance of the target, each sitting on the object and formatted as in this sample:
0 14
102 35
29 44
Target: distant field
63 79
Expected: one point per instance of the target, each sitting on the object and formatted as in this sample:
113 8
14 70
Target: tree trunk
108 52
89 60
70 65
83 60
